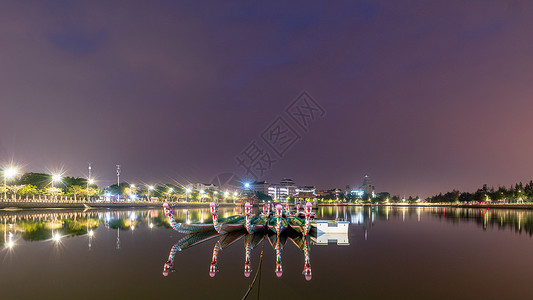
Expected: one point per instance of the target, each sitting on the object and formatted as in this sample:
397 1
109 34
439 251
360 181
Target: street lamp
55 178
90 181
201 195
170 190
10 172
187 191
150 187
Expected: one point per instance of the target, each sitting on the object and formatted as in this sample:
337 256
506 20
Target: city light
132 186
11 172
247 185
56 177
150 187
91 233
91 181
187 190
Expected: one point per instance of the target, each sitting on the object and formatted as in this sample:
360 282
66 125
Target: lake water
392 253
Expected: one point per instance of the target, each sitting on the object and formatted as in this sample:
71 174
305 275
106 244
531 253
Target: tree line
515 193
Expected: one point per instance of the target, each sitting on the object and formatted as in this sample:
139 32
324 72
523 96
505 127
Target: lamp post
170 190
90 181
150 187
187 191
55 177
10 172
132 191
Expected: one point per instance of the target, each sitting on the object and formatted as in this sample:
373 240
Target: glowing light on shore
56 177
11 172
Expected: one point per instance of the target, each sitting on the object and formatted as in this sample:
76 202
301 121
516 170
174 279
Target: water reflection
517 220
27 226
251 241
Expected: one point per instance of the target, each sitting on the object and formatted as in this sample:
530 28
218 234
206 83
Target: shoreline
429 205
10 206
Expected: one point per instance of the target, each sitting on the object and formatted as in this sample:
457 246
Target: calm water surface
392 253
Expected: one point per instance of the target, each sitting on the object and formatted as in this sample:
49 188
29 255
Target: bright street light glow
170 190
91 181
150 187
10 244
188 190
132 186
56 177
91 233
11 172
247 185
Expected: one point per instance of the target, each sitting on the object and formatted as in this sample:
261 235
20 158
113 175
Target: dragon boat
233 223
301 225
254 223
278 223
220 225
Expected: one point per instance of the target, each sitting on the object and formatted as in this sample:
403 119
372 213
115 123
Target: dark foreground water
393 253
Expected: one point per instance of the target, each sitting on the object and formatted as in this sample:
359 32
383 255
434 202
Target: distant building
206 187
286 188
307 189
260 186
367 188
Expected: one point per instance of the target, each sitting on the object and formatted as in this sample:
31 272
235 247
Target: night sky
423 96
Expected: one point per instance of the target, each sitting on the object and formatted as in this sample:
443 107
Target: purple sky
423 96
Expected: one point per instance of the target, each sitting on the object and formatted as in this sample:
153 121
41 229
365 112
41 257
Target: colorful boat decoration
276 239
278 223
221 225
250 242
184 228
224 241
184 243
251 223
254 223
229 224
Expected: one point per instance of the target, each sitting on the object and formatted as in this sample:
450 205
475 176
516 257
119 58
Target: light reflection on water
123 254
